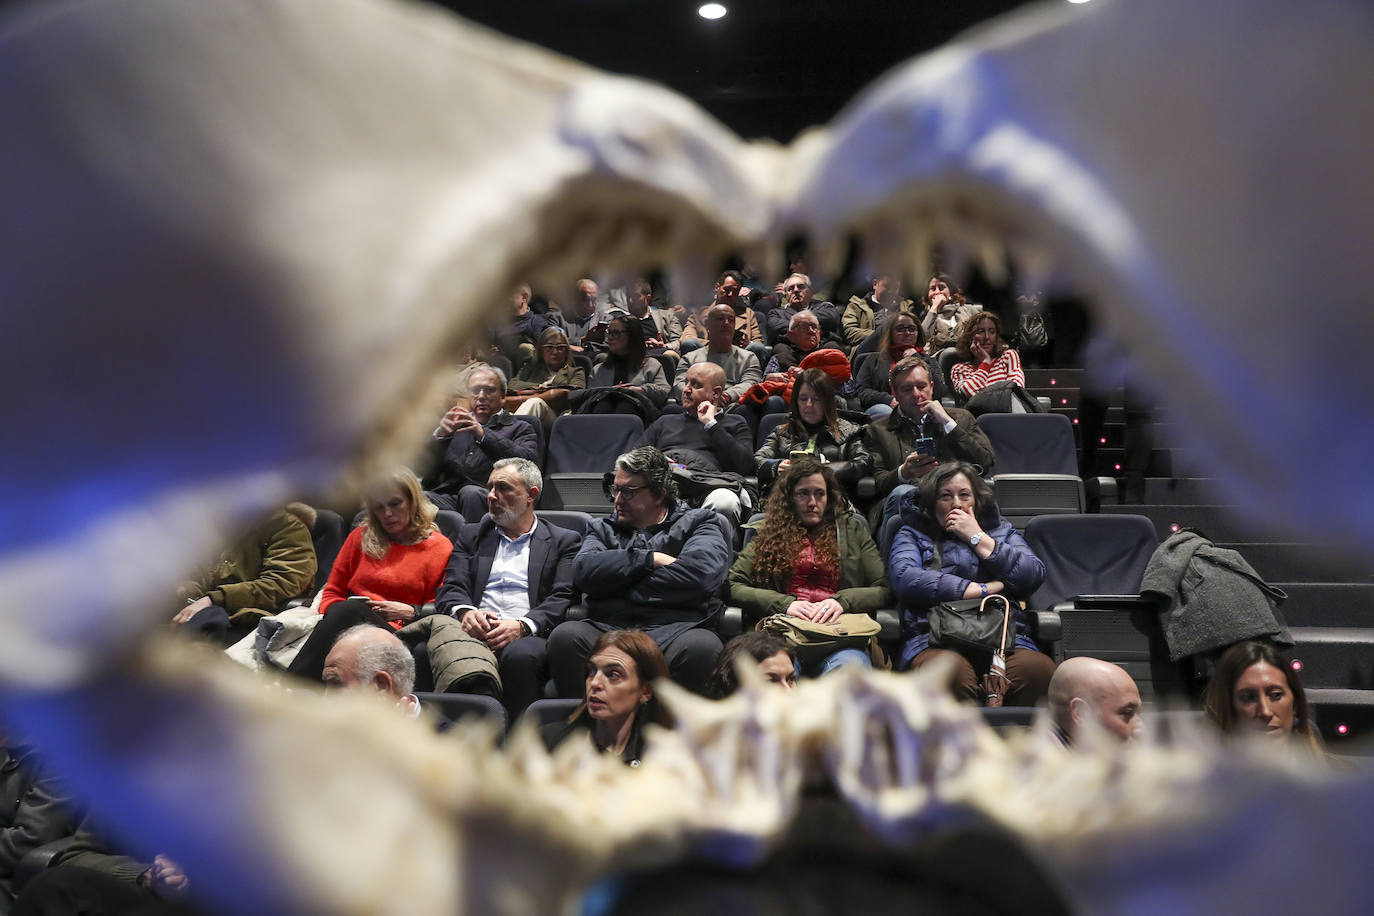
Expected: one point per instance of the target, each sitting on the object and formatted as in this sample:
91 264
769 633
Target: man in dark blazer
509 580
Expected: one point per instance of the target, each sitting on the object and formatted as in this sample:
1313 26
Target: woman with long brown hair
812 558
1255 690
619 696
945 311
985 358
814 426
901 336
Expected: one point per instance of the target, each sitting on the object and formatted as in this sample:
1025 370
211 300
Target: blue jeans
836 661
878 411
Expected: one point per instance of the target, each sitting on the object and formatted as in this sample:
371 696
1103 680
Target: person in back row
919 434
469 440
703 438
656 565
815 427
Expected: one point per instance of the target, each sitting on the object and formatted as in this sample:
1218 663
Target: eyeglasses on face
793 287
614 492
616 332
555 348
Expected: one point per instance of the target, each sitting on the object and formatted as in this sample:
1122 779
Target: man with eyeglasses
797 295
470 439
655 565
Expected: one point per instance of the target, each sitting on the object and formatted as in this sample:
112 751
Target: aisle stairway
1330 604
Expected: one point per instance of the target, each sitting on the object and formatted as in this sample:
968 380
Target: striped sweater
968 379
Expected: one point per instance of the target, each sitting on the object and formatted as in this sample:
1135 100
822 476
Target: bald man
1084 689
705 439
373 658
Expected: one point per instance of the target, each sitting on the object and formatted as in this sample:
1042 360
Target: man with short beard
509 581
741 367
797 298
661 327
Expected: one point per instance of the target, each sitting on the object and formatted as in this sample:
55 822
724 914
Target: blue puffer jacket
917 588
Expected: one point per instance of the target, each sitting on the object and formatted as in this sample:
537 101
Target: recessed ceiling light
1078 1
711 11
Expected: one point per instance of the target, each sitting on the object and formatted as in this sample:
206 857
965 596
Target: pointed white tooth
1034 267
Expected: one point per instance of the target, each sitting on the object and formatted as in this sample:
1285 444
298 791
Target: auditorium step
1335 656
1220 523
1345 718
1182 491
1327 604
1288 562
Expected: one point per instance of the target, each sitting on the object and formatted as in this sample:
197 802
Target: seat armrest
867 488
576 612
890 623
731 622
37 860
1107 491
1045 626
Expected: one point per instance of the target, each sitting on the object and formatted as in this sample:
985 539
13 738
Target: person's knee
726 502
845 658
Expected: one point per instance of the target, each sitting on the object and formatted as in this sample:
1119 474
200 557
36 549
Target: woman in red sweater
386 571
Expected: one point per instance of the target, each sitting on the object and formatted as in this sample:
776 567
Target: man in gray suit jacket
509 581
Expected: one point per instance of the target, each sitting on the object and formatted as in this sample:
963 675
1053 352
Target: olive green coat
863 581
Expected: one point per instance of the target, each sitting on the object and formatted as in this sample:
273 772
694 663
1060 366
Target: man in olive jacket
253 578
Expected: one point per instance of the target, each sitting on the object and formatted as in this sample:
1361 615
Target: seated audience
985 359
386 571
627 367
1255 690
702 438
1090 694
944 312
655 564
803 338
919 434
899 338
815 427
618 697
741 367
797 294
954 544
546 380
660 326
585 319
469 440
509 581
85 878
252 578
864 315
365 657
776 658
812 559
747 332
516 341
33 810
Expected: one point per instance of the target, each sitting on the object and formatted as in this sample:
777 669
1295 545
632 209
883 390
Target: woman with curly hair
815 426
985 358
388 569
812 559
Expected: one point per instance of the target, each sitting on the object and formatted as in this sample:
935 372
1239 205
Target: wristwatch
973 541
524 625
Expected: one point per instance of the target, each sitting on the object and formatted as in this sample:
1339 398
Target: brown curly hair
964 341
780 539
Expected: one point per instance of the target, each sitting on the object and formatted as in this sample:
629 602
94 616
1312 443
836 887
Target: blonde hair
376 542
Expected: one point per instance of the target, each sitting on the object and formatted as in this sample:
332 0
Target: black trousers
309 661
69 890
691 656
